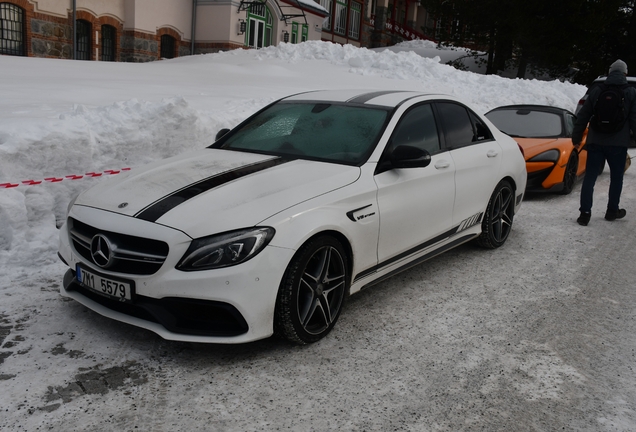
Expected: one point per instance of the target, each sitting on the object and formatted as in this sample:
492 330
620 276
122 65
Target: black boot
611 215
584 219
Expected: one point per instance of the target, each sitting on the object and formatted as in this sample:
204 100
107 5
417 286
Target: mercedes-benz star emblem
101 251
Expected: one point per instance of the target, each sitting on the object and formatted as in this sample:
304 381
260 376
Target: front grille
130 254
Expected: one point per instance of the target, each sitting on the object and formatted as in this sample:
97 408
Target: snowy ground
537 335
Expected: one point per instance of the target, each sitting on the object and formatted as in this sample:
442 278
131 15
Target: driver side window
417 128
569 124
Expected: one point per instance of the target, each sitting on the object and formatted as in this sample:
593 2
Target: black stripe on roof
162 206
368 96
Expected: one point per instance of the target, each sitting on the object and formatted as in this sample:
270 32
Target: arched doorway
168 44
259 26
109 38
84 40
12 34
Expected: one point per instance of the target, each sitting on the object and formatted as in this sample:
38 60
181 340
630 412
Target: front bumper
537 178
229 305
176 315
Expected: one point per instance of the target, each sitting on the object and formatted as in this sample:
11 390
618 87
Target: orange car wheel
569 176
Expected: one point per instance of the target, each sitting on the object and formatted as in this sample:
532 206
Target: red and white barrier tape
59 179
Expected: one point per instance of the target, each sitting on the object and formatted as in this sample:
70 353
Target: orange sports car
544 133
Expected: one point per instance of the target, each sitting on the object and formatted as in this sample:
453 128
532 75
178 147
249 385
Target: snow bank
122 135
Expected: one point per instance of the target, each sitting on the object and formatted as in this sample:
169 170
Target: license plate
114 289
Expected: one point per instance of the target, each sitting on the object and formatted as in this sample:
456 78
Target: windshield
527 123
319 131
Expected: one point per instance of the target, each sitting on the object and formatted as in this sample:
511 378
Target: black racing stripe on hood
162 206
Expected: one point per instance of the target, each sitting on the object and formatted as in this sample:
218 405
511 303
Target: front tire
312 291
569 176
497 221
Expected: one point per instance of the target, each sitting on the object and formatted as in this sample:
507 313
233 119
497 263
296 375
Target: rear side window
482 133
458 129
417 128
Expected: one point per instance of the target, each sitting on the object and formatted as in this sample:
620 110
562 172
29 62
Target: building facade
376 23
147 30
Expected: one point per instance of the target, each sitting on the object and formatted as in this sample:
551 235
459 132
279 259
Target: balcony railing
408 33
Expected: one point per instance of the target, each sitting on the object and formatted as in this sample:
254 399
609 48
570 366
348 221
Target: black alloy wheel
569 176
312 291
497 221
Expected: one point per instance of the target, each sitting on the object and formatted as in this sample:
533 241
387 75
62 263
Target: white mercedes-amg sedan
269 229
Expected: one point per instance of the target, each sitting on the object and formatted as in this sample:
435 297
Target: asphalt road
539 335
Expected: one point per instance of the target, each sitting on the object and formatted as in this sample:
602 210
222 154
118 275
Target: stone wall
210 48
138 47
51 39
183 50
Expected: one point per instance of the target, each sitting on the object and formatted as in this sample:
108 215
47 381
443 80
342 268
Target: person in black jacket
605 146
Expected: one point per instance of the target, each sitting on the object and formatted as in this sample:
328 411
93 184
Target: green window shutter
294 34
305 33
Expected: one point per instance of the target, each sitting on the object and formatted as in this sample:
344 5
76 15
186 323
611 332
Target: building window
11 29
294 33
83 49
269 29
354 20
305 33
258 9
108 43
260 26
167 46
326 24
340 23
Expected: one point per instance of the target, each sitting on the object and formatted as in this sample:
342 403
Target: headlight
224 250
548 156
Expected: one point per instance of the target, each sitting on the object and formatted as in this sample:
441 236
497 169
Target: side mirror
221 133
409 157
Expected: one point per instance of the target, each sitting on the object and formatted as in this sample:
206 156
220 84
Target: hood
210 190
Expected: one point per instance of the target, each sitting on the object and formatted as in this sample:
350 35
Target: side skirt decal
162 206
423 258
464 225
404 254
471 221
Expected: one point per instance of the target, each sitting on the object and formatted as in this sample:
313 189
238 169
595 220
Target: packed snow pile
96 117
83 140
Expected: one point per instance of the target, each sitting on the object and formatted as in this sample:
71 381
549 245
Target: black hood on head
616 78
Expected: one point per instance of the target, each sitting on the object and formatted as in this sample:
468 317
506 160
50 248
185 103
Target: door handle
492 153
442 164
